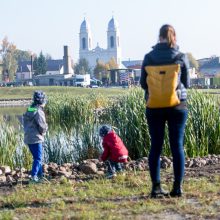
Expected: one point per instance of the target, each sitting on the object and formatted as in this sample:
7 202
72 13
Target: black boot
177 190
158 191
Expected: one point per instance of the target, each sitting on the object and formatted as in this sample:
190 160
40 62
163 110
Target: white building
98 53
57 70
24 71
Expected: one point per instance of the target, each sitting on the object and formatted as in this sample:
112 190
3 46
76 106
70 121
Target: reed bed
202 134
74 122
127 115
13 152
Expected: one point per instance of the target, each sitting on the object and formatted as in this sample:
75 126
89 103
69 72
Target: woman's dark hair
168 32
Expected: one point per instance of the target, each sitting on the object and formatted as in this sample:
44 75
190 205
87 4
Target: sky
48 25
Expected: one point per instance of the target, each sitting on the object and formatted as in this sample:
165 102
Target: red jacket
114 148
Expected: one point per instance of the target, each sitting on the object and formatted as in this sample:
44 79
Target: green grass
121 198
27 92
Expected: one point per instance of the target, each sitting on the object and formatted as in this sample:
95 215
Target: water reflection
12 115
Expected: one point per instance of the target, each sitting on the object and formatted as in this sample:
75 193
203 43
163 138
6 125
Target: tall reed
74 122
13 152
202 134
127 114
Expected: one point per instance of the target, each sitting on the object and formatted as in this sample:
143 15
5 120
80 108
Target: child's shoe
34 180
43 179
111 175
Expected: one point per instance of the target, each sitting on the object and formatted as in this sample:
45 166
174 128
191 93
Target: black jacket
163 54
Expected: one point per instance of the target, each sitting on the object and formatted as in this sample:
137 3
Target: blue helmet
104 130
39 98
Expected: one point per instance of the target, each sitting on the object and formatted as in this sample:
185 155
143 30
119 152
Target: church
93 55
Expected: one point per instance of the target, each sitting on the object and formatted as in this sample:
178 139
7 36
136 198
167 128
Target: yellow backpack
162 82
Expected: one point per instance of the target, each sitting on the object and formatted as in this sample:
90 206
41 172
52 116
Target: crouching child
114 152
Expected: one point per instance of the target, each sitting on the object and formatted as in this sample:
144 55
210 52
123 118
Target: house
53 80
211 67
58 72
24 72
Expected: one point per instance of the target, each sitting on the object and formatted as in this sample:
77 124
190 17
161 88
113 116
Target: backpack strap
178 57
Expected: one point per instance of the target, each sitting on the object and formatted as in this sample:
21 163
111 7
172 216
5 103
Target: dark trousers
36 151
176 119
113 167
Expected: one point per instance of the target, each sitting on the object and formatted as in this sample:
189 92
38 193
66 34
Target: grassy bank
27 92
125 197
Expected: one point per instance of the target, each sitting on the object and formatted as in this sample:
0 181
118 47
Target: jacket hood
111 135
163 52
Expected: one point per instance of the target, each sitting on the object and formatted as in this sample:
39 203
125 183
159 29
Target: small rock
9 179
64 173
62 168
2 178
189 163
52 166
203 162
45 168
88 168
5 169
100 172
140 167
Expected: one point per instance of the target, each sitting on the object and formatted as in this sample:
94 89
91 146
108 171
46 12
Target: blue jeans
113 167
36 151
176 119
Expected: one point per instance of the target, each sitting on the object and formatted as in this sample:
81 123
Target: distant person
35 128
115 151
165 77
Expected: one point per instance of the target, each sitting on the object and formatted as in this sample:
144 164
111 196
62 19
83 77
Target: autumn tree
100 70
22 55
8 59
192 61
112 63
82 67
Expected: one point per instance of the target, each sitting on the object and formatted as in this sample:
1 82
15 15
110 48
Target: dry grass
121 198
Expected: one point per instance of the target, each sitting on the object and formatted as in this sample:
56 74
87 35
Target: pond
12 115
61 144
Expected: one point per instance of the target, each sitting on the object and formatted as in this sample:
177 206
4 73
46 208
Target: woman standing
164 77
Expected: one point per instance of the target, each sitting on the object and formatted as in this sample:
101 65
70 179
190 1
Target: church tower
85 37
113 40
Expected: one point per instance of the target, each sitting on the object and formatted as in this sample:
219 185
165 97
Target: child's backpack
163 85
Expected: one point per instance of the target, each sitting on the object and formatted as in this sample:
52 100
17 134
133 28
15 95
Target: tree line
11 56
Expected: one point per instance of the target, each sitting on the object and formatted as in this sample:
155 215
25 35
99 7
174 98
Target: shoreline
15 102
